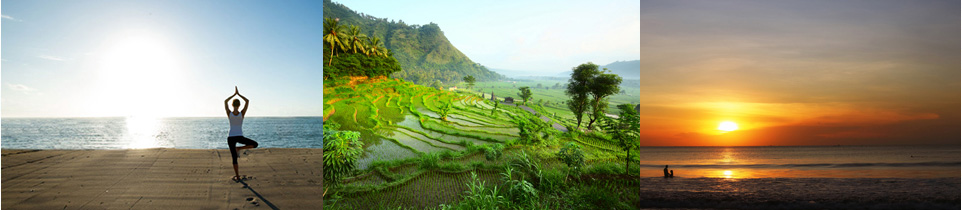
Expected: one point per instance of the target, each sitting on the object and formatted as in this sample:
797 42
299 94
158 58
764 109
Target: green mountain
423 51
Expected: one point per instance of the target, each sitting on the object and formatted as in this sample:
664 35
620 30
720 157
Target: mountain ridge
424 53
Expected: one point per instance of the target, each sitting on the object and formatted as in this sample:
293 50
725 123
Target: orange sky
800 73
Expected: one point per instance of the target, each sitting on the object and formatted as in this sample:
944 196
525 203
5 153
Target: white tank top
236 121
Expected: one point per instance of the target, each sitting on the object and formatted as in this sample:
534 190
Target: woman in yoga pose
236 135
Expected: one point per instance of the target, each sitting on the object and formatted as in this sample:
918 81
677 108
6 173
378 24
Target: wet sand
160 179
800 193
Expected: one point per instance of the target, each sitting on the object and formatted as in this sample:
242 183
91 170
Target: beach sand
160 179
800 193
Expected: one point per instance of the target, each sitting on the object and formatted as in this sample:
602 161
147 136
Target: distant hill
628 70
423 51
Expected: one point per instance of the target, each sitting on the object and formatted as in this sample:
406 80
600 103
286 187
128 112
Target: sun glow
142 131
727 126
139 76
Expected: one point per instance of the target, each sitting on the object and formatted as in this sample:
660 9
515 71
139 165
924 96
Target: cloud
20 87
53 58
10 18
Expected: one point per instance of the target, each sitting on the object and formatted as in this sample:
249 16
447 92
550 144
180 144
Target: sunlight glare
139 74
727 126
142 131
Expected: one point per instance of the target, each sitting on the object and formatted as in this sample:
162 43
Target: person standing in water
666 172
236 135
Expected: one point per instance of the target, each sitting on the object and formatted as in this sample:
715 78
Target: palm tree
376 48
333 36
356 39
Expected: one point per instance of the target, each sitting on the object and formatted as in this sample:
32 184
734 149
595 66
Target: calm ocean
804 161
128 133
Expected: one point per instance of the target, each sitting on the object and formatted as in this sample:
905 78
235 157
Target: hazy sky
800 72
538 36
160 58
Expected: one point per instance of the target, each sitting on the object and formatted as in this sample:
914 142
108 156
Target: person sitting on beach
672 174
236 135
666 171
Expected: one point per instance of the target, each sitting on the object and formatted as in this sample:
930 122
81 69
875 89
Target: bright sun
139 76
727 126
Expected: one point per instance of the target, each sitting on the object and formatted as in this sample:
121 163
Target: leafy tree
625 130
578 88
356 39
436 84
496 103
525 94
588 87
444 109
333 36
601 86
470 80
376 47
341 151
539 85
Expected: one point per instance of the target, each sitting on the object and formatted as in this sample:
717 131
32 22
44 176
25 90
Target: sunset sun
727 126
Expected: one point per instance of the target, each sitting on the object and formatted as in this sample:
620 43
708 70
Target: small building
452 88
509 100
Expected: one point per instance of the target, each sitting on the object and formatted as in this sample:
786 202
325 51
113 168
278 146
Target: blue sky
160 58
537 36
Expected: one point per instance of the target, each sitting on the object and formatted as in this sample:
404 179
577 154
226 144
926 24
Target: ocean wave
816 165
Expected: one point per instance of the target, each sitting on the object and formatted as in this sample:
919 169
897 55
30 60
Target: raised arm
246 102
226 101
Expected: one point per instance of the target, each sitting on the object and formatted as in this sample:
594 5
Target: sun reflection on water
727 174
142 131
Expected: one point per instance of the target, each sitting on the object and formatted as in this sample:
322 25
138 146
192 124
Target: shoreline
160 178
801 193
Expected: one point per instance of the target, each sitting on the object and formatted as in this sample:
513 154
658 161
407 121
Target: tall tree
470 80
601 86
356 39
578 89
333 36
377 47
525 94
625 130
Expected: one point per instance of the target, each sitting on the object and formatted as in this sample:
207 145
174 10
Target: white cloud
10 18
50 57
20 87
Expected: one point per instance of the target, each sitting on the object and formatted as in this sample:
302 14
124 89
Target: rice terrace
397 136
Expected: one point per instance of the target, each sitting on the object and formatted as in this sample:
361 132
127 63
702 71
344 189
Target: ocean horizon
920 161
107 133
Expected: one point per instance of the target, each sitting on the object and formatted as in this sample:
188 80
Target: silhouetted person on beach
666 172
236 135
672 174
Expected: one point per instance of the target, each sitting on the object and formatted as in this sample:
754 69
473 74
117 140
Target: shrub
572 155
428 161
341 150
493 152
